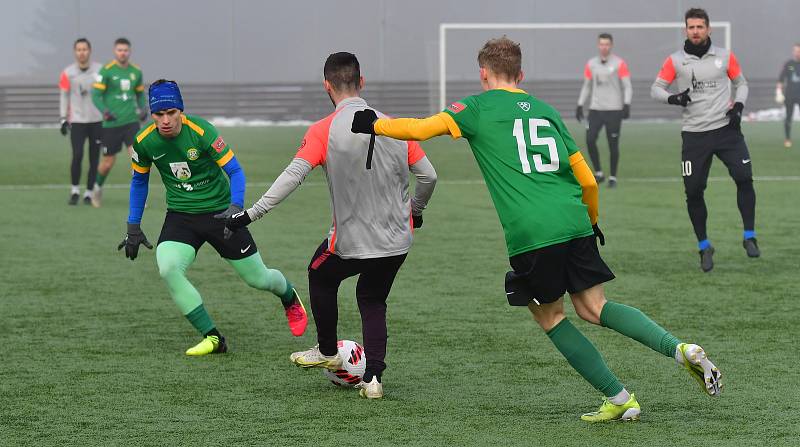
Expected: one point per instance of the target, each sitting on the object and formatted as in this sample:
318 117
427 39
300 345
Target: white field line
623 180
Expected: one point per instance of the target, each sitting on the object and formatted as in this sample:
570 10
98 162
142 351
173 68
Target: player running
372 219
547 202
119 95
80 117
788 91
703 74
607 81
190 157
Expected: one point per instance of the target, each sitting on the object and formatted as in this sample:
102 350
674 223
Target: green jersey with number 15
522 148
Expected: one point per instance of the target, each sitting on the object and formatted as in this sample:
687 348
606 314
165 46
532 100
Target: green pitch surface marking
93 345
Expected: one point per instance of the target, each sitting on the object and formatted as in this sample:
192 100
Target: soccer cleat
612 182
608 412
73 199
787 144
210 345
599 177
707 259
97 197
296 316
87 199
695 360
312 358
371 390
751 247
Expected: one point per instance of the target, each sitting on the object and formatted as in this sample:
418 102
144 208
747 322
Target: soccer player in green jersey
118 94
191 157
547 200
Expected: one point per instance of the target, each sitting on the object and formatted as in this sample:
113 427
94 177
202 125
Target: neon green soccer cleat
608 412
313 358
694 358
210 345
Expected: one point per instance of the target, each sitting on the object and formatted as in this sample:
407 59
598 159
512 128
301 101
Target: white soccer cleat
312 358
696 362
372 389
97 197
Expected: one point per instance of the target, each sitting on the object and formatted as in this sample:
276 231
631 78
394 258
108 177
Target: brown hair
696 13
343 71
502 56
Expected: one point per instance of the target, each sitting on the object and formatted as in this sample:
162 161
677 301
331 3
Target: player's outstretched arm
426 182
409 129
138 197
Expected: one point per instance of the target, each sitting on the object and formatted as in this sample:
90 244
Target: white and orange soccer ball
354 364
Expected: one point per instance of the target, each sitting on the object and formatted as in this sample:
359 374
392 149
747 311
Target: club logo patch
133 76
718 63
192 153
524 105
456 107
181 170
219 144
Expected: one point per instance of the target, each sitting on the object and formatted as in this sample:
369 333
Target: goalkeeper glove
626 111
132 240
779 98
680 99
64 127
234 218
364 121
599 234
579 113
735 114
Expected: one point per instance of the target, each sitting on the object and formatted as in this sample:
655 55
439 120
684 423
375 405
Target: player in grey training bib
703 74
80 117
607 82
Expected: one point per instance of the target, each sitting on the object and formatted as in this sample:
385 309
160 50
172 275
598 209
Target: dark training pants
325 273
699 149
612 120
79 132
787 122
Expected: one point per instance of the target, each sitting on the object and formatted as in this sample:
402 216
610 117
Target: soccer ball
354 363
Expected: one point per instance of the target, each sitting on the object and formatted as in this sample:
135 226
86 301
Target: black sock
213 332
368 377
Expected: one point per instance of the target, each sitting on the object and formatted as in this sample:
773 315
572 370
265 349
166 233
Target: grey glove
132 240
225 215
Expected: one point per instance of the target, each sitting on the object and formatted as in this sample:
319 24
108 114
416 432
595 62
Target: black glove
735 114
64 127
626 111
599 234
132 241
363 121
579 113
234 219
108 116
680 99
416 221
143 115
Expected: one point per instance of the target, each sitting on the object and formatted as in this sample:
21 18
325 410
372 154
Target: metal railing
38 104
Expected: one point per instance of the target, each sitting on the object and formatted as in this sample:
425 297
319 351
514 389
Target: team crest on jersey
219 144
456 107
718 63
133 76
192 153
181 170
524 105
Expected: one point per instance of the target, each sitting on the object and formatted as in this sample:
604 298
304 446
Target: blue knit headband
165 95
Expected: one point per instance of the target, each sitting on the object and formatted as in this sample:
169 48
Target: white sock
611 177
87 193
76 189
622 397
690 348
598 173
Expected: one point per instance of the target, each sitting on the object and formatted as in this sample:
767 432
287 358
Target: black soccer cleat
73 199
599 177
612 182
87 200
751 247
707 259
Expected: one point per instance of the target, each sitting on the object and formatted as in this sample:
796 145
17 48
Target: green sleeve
466 115
140 156
141 97
213 144
98 93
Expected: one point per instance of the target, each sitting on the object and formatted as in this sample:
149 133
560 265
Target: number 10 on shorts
686 168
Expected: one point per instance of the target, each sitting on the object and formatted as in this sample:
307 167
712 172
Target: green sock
100 179
201 320
584 358
173 259
253 271
632 323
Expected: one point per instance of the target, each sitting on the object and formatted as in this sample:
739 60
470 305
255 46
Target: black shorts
543 275
196 229
699 149
113 137
611 119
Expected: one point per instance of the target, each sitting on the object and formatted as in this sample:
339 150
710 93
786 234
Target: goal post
444 27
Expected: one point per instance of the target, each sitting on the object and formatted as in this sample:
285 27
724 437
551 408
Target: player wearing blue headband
191 156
